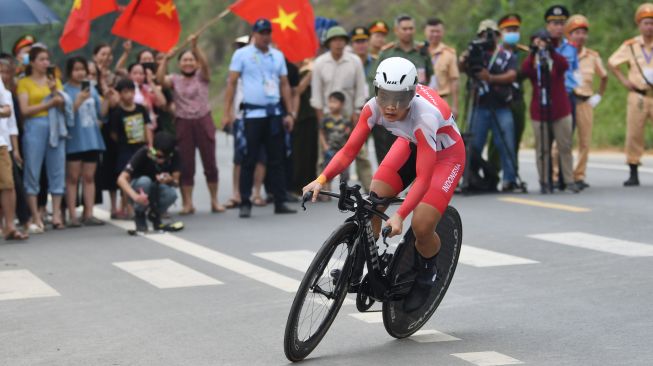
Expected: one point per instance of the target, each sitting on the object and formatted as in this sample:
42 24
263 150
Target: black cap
165 142
262 25
556 12
359 33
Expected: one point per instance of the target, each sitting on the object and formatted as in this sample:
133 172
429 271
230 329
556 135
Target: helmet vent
385 77
402 78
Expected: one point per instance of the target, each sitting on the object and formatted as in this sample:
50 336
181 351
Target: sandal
232 203
58 226
92 221
218 209
259 202
36 229
74 224
187 212
16 235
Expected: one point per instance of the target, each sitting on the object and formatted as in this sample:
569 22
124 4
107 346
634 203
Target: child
334 130
128 126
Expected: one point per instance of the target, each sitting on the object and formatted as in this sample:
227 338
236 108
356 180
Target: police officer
378 33
406 47
590 65
637 52
445 67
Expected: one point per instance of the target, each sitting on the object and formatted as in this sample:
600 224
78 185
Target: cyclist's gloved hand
314 187
396 222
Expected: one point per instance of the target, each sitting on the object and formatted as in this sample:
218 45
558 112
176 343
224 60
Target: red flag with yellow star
293 24
78 26
153 23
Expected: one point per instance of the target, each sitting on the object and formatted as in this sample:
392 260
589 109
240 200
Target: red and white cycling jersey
438 159
428 112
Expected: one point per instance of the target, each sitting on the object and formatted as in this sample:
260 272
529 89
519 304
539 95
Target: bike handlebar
351 199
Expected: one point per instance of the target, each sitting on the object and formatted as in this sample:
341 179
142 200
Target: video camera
543 35
477 48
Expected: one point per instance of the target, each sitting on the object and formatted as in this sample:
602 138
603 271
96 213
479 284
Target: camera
477 48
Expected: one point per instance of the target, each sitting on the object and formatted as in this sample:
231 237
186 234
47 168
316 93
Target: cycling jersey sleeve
347 154
426 160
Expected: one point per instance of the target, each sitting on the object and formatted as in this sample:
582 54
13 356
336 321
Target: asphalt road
560 279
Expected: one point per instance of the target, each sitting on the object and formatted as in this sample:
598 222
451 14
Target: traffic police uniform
590 64
639 57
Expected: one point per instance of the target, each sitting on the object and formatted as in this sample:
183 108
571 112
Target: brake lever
305 198
384 233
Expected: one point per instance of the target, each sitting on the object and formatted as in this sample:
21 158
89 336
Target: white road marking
212 256
599 243
489 358
296 259
166 273
478 257
431 336
23 284
372 317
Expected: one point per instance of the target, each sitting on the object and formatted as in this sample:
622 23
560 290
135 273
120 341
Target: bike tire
295 348
397 322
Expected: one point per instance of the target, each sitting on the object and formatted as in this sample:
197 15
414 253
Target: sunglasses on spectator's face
160 155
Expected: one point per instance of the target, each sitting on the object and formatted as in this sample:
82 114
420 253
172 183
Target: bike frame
364 245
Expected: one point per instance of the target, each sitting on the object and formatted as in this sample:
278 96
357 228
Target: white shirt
8 126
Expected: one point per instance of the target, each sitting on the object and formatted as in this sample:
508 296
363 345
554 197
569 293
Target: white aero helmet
395 82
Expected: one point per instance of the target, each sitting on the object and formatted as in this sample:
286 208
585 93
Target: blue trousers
36 150
167 194
501 124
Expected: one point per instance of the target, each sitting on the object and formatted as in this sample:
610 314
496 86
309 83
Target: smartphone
86 85
50 71
149 65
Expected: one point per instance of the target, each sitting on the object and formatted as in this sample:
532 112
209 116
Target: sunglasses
158 154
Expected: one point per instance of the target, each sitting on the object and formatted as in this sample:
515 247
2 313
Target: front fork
367 251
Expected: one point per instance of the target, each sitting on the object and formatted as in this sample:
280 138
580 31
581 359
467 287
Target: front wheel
320 294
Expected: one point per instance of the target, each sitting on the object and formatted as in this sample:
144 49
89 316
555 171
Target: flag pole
203 28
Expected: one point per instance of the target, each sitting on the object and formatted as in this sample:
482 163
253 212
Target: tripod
544 86
473 88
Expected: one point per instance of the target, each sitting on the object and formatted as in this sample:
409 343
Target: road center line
554 206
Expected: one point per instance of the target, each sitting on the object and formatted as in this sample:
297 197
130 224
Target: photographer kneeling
150 179
492 69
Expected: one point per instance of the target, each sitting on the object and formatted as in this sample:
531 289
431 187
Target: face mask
26 59
511 38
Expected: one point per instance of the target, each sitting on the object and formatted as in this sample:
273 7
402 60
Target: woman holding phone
38 93
85 144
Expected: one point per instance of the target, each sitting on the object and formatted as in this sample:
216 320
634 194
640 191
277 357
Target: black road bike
339 268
